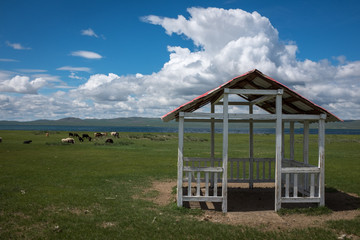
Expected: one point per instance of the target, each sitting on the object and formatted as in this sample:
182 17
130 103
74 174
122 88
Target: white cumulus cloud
22 84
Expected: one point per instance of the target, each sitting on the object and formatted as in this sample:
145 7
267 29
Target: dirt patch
255 207
163 194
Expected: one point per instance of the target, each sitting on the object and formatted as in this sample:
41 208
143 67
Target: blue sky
104 59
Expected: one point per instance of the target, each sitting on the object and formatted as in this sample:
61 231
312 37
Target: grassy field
50 190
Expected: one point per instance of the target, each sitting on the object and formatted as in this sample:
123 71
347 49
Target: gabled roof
293 103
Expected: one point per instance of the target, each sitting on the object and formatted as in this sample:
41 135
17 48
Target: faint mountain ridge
156 122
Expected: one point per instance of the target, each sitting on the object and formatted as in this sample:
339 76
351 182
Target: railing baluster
295 185
231 170
198 184
189 183
206 184
312 187
287 187
215 183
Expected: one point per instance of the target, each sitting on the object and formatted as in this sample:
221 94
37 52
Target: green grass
50 190
347 226
312 211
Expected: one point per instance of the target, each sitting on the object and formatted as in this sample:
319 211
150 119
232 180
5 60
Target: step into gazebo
296 181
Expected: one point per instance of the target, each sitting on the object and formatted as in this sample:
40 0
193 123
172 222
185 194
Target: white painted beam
253 91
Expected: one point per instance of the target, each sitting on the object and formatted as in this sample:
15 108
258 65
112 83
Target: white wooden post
251 149
292 141
212 132
321 163
180 160
225 150
278 150
283 140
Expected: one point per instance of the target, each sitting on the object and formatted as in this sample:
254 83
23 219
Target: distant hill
156 122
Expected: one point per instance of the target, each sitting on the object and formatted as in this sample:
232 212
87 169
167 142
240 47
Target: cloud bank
229 43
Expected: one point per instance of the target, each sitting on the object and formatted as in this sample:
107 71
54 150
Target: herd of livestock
72 136
85 136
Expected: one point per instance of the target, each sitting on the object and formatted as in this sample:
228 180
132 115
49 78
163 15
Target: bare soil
255 207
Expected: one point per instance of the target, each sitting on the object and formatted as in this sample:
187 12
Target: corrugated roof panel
302 106
289 109
260 82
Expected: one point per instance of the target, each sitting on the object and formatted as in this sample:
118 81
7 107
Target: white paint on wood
225 151
198 184
252 116
312 185
253 91
202 199
215 183
300 200
283 140
180 161
212 132
203 115
300 170
321 162
297 117
251 148
278 152
287 183
203 169
235 103
295 185
206 184
189 183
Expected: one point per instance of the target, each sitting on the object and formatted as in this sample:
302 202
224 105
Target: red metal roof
293 103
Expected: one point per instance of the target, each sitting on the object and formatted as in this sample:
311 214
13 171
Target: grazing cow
100 134
115 134
47 134
71 134
81 139
76 135
89 139
68 140
85 135
109 140
27 142
0 139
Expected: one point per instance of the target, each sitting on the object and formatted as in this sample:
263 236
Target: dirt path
255 207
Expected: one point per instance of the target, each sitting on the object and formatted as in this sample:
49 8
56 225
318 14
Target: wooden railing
300 183
207 173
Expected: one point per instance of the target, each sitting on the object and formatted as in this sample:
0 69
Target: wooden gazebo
296 181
